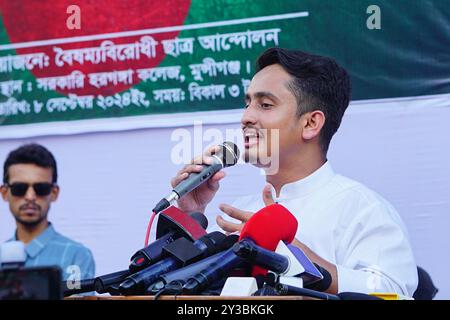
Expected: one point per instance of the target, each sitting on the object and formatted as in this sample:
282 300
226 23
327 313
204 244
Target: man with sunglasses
30 186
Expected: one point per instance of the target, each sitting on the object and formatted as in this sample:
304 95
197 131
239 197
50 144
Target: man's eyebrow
262 94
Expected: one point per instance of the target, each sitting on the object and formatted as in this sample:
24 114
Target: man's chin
253 158
30 221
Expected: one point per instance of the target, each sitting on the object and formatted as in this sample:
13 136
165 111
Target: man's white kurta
350 226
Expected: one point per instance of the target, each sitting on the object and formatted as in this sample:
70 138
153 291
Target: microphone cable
149 227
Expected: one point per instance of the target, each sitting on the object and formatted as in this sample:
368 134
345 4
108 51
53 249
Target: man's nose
30 194
249 117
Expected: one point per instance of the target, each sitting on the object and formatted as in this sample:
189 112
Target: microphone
287 290
249 251
283 226
105 283
227 156
182 274
182 252
12 255
357 296
284 289
285 263
173 224
85 286
213 272
101 284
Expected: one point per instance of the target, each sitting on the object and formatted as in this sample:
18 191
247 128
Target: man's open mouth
251 138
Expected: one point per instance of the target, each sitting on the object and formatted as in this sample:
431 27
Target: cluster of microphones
186 260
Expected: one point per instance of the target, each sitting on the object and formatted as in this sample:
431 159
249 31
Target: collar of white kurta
305 186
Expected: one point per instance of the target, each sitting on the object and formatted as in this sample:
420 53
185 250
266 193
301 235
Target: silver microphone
227 156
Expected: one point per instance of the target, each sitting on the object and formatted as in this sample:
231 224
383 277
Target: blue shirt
51 248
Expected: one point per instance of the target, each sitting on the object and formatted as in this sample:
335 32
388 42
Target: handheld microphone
173 224
227 156
182 252
283 226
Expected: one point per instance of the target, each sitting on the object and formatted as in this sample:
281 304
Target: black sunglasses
19 189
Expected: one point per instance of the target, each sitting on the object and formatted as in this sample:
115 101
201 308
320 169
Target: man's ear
4 192
55 193
313 122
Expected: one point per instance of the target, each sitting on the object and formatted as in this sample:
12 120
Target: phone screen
36 283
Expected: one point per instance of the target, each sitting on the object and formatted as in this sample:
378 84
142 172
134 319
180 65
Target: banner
114 65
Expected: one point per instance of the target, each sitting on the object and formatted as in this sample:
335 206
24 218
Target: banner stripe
39 43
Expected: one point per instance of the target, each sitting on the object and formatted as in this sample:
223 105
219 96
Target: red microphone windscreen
269 226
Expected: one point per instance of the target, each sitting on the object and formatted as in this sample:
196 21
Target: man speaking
343 226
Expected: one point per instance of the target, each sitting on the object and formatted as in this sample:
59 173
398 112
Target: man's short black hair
30 154
319 83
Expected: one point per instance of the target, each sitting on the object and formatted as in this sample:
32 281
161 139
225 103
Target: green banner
134 58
